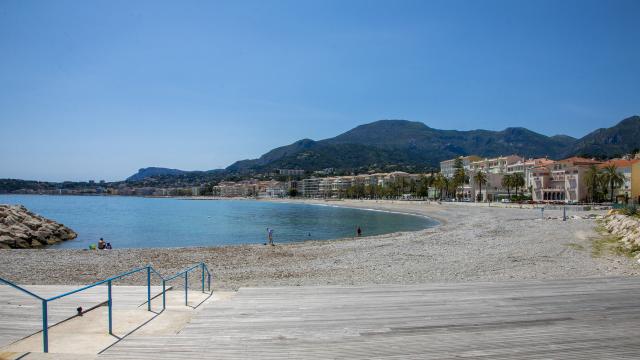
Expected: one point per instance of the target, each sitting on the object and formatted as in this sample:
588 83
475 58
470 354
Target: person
270 232
359 231
108 247
101 244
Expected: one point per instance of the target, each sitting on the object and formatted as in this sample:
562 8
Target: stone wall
627 228
21 229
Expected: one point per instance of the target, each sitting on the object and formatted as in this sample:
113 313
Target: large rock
627 228
21 229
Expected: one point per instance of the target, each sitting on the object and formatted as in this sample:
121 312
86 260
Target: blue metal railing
149 270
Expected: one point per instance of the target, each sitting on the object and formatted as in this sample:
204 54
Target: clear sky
98 89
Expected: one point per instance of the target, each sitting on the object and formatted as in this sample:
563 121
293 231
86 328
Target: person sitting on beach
101 244
108 247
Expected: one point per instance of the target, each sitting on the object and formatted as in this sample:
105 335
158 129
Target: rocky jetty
625 227
21 229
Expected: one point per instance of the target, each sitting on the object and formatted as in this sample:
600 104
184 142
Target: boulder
21 229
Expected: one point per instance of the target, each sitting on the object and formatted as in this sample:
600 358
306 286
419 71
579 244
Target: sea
138 222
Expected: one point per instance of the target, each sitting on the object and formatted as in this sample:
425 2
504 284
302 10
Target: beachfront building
246 188
497 165
525 167
625 168
635 181
562 181
447 167
311 187
495 169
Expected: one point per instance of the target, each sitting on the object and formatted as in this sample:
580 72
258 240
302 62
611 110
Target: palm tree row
513 181
602 181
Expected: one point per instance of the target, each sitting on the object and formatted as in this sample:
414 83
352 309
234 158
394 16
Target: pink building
561 180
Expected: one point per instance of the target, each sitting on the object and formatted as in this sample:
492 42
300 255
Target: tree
517 181
293 192
459 176
592 180
507 182
441 183
480 178
613 178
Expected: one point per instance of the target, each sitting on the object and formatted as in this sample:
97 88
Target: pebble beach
473 242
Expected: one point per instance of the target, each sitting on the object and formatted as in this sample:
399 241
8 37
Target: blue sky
98 89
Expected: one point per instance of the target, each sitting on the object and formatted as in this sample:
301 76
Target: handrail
97 283
20 288
182 272
108 281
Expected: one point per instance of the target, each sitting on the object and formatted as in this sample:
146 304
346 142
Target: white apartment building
447 167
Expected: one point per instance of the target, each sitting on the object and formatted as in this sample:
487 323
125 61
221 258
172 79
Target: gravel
472 243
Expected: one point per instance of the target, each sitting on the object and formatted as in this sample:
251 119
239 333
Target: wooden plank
583 318
21 315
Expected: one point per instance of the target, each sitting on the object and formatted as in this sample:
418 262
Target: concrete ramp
586 319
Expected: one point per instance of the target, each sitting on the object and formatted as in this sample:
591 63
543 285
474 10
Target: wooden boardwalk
570 319
21 315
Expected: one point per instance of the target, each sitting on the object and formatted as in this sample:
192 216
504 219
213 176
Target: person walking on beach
359 231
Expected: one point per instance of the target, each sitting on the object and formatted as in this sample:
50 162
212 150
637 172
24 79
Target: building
526 167
563 180
625 168
290 172
447 167
311 187
635 181
496 165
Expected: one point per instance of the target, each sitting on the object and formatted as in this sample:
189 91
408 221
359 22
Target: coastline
470 243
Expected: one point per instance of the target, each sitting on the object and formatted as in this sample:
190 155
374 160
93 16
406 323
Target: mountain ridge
412 144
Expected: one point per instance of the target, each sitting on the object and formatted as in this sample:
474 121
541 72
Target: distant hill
154 171
618 140
404 143
413 145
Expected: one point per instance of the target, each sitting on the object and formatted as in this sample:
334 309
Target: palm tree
480 178
613 178
507 182
517 181
439 182
592 180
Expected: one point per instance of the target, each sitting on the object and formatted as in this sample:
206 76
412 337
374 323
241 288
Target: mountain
411 145
154 171
405 144
620 139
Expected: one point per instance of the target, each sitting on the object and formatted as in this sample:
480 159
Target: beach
472 243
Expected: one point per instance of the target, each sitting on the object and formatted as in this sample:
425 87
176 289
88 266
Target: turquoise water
134 222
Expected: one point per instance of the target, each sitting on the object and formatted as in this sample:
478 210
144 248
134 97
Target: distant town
465 178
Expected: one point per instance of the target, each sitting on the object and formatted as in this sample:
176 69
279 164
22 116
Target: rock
21 228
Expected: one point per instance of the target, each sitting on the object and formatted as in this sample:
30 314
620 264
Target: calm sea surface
134 222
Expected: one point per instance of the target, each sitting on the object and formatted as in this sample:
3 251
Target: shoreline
470 243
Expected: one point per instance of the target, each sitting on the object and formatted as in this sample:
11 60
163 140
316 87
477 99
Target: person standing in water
359 231
270 233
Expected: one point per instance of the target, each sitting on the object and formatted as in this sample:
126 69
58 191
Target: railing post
202 277
209 281
45 327
110 304
186 286
148 288
164 297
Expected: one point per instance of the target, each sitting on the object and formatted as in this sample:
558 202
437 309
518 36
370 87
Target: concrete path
572 319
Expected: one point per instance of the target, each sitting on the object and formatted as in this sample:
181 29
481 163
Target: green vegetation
608 243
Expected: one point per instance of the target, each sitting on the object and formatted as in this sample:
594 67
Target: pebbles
473 243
